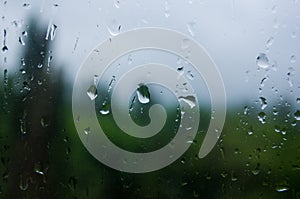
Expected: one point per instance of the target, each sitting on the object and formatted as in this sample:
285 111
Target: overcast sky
233 32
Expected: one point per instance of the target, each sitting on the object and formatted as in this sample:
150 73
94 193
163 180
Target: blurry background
256 46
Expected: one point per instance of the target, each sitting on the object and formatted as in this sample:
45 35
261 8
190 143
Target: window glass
149 99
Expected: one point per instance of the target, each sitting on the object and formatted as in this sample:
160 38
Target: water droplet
22 120
40 65
44 122
129 60
190 100
262 117
114 28
246 110
191 27
263 102
117 3
190 75
180 70
270 41
275 111
23 184
167 9
293 58
26 5
38 168
92 92
274 9
297 115
298 100
21 41
143 94
255 172
262 61
51 31
87 130
105 108
104 112
277 128
5 48
185 44
282 189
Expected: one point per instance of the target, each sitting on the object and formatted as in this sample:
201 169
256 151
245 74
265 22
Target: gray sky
233 32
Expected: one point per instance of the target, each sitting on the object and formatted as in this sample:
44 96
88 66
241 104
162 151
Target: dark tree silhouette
35 122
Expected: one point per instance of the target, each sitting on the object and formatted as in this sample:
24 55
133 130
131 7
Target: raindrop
26 5
38 168
262 117
185 44
104 112
21 41
23 123
96 79
167 9
274 9
53 31
23 184
129 60
114 28
44 122
277 128
282 189
40 65
255 172
180 70
298 100
105 109
262 61
246 110
270 41
190 100
293 58
117 3
191 27
262 82
263 102
297 115
4 49
275 111
92 92
75 45
293 35
87 130
143 94
190 75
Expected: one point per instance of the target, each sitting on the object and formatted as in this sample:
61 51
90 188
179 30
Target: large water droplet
263 102
92 92
262 61
190 100
143 94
